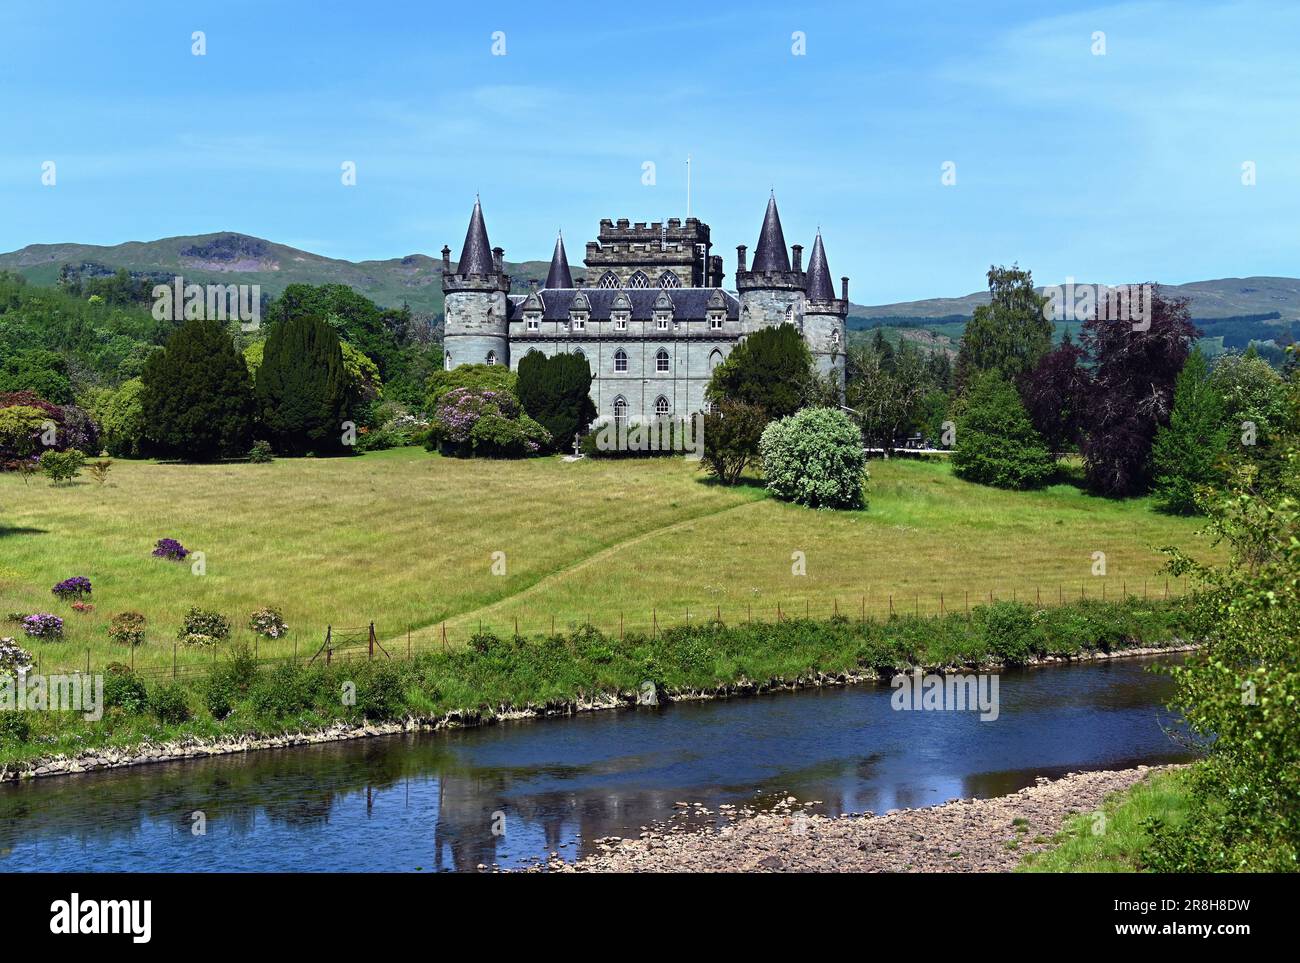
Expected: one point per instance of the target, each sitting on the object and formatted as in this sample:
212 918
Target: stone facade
654 323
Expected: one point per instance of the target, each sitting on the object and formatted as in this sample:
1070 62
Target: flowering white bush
13 657
268 623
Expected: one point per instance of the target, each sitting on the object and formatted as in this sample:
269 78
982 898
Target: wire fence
368 642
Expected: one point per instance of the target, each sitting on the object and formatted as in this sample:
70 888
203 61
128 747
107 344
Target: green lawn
407 539
1089 845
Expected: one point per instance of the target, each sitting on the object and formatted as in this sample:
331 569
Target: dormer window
662 322
715 322
534 324
578 322
620 322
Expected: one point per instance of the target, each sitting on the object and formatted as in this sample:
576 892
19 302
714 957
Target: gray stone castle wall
475 325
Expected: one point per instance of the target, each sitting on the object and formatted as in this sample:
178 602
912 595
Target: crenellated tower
477 303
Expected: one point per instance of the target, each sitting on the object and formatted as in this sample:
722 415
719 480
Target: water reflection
432 800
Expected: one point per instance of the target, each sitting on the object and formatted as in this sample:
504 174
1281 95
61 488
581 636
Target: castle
655 322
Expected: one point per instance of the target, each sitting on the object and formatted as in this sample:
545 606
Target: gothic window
669 280
620 360
638 280
610 280
835 337
447 361
661 407
491 357
715 359
620 411
789 314
661 360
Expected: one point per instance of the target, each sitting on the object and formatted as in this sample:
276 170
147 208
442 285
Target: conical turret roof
558 276
771 253
476 255
820 286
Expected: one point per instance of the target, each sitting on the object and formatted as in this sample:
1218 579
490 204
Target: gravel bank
964 836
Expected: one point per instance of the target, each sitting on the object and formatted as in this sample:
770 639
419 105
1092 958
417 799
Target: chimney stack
844 289
796 256
446 259
498 258
740 257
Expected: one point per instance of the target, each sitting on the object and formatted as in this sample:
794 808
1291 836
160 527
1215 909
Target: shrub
230 682
170 703
268 623
127 628
261 453
15 727
170 549
62 466
283 692
43 625
99 470
485 422
379 690
13 657
815 458
996 442
82 607
76 587
1012 631
203 627
494 377
124 690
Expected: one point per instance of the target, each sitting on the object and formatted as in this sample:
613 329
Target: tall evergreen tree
556 393
302 387
1186 450
771 368
196 394
996 442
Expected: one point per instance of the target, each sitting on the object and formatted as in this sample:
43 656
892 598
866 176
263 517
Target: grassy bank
239 696
1113 839
407 540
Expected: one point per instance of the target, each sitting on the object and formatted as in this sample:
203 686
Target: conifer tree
302 388
196 394
1186 451
996 442
556 393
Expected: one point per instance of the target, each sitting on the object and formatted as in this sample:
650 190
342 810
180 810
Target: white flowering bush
815 458
14 659
268 623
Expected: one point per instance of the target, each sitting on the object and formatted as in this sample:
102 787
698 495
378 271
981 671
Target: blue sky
1115 168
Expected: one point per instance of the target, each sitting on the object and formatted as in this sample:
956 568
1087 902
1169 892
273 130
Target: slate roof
771 254
559 276
476 255
820 285
689 304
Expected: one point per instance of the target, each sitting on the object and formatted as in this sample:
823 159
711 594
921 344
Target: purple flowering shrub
485 422
170 549
74 588
43 625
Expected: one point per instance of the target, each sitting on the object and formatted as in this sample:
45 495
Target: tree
1132 391
996 442
1239 692
771 368
1186 450
1255 408
1008 335
732 431
886 392
815 458
302 388
38 370
196 394
556 392
1056 395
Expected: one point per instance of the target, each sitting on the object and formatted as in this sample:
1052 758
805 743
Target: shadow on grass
16 530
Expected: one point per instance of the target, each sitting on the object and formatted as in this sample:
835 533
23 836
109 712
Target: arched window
491 357
715 359
620 361
609 280
639 280
661 360
447 361
789 314
620 411
669 280
662 407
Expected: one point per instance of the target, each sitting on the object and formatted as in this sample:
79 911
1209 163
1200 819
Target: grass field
407 540
1118 848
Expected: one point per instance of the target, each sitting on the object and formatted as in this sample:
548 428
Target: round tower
825 316
476 323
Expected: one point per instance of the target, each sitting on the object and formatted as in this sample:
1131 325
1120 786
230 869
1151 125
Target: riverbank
964 836
199 746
